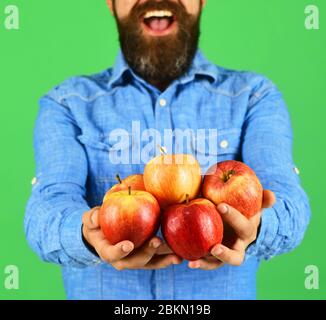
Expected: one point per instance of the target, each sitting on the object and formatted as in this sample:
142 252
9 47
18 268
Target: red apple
192 229
135 181
129 215
170 177
236 184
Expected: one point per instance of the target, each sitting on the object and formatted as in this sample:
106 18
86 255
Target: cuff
88 245
72 239
262 248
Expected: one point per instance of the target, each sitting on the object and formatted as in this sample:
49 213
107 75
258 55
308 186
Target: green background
59 39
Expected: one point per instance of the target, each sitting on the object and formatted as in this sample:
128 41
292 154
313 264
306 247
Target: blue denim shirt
77 155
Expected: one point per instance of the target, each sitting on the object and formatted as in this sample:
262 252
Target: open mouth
159 22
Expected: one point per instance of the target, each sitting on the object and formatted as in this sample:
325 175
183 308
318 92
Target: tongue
159 24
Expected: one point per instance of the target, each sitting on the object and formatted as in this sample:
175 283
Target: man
88 126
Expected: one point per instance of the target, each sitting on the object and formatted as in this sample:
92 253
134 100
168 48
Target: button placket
163 102
162 116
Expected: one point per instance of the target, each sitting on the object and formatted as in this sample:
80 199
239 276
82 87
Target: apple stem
187 198
227 175
162 149
118 178
129 190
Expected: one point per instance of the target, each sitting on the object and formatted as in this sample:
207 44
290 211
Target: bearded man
90 128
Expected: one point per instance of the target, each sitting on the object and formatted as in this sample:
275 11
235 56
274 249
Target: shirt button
34 181
224 144
296 170
163 102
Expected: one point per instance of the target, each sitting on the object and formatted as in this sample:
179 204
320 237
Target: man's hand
152 255
239 233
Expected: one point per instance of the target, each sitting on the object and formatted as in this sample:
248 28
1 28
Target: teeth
158 14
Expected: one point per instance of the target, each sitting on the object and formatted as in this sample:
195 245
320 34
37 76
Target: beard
160 59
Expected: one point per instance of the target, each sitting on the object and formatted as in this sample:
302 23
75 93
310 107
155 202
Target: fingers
256 222
95 237
140 257
208 263
164 249
90 219
269 199
112 253
119 255
234 257
240 224
161 262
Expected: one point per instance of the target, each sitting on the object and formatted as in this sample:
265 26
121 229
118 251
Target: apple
170 177
135 181
236 184
192 229
130 215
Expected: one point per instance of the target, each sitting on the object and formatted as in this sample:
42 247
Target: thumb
91 219
269 199
95 217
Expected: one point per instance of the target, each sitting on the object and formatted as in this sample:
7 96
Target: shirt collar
200 66
119 69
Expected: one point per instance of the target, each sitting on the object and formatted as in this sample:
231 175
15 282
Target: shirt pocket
105 161
217 146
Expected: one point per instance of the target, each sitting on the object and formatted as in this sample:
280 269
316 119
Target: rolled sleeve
72 240
53 216
267 149
263 245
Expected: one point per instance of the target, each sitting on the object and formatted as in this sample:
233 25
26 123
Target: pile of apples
172 192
